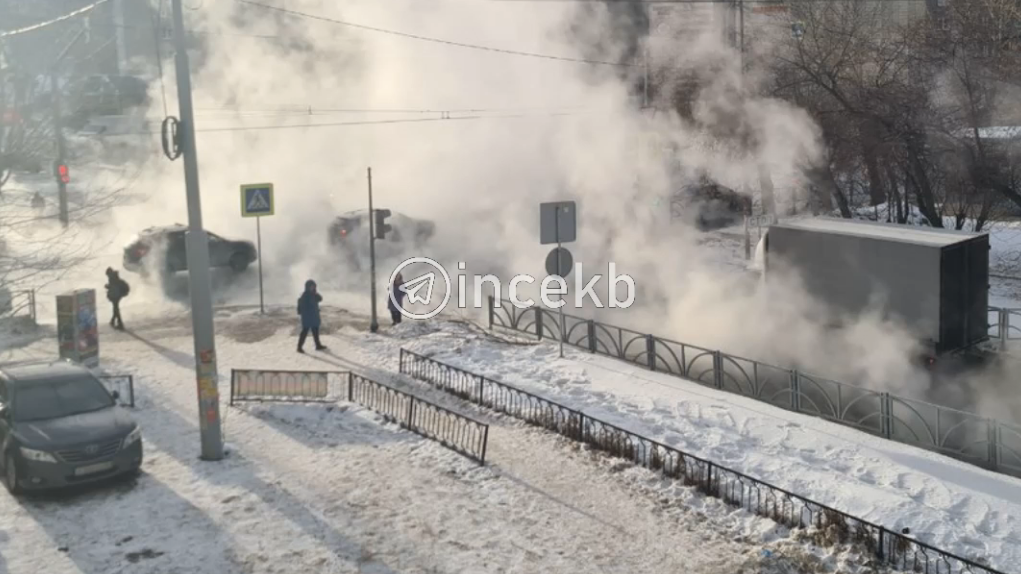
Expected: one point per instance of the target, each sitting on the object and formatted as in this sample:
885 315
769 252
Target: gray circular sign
566 262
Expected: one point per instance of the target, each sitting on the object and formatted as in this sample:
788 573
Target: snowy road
317 489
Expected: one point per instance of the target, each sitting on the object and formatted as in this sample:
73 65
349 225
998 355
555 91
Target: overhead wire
56 20
345 124
436 40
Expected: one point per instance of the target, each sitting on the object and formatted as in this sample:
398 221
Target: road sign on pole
257 202
559 262
558 222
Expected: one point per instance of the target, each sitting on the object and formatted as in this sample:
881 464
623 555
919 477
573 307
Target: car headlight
134 436
37 455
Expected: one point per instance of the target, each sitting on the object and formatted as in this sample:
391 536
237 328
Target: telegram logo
419 290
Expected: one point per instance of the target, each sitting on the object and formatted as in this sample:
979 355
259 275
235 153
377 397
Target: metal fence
1004 325
965 436
123 385
17 304
735 488
454 431
287 386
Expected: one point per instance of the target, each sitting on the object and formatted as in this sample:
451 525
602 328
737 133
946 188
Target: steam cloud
481 180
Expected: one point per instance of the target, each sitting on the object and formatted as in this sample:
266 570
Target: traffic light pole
374 323
58 132
58 129
198 258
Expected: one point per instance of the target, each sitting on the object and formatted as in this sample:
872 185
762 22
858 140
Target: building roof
886 231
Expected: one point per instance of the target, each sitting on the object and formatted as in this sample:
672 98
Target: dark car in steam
349 234
163 249
60 426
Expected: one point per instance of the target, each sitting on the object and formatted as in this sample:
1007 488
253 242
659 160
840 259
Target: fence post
650 351
482 383
538 322
795 390
1004 327
411 411
718 369
591 336
231 402
881 546
886 414
709 478
485 443
491 311
994 450
350 387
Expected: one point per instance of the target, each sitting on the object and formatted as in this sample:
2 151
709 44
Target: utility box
77 327
936 281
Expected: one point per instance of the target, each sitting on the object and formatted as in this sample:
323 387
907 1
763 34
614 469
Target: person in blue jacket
308 308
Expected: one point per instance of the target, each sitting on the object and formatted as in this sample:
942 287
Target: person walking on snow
308 308
395 301
116 289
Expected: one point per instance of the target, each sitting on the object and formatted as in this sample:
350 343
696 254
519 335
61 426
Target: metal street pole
198 258
560 272
58 132
258 235
58 127
374 323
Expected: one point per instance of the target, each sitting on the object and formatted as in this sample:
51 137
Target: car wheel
11 475
238 262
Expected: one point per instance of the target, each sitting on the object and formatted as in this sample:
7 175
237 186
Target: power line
723 2
435 40
311 111
57 20
344 124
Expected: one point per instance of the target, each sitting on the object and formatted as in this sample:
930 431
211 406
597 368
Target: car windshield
44 401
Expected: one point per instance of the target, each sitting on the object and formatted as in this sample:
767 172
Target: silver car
60 426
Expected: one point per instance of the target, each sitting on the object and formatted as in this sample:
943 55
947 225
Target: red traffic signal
63 174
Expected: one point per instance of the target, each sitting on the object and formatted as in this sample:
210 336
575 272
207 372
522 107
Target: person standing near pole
308 309
395 300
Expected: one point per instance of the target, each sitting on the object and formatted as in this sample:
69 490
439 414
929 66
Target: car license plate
93 468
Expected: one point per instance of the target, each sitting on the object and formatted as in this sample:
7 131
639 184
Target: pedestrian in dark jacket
308 308
395 302
116 289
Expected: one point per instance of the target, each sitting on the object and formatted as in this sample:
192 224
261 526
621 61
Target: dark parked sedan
59 426
163 249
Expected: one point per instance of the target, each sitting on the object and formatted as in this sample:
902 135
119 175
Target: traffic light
381 227
63 174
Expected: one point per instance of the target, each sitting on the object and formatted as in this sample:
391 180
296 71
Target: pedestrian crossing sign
257 200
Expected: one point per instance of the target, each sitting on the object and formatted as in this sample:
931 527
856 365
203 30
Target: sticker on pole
257 200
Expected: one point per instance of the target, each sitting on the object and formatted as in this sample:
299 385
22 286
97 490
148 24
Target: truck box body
933 280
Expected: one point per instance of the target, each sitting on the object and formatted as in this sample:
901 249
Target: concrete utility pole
198 258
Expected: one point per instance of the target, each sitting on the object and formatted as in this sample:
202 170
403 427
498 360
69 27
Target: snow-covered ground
949 504
330 489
